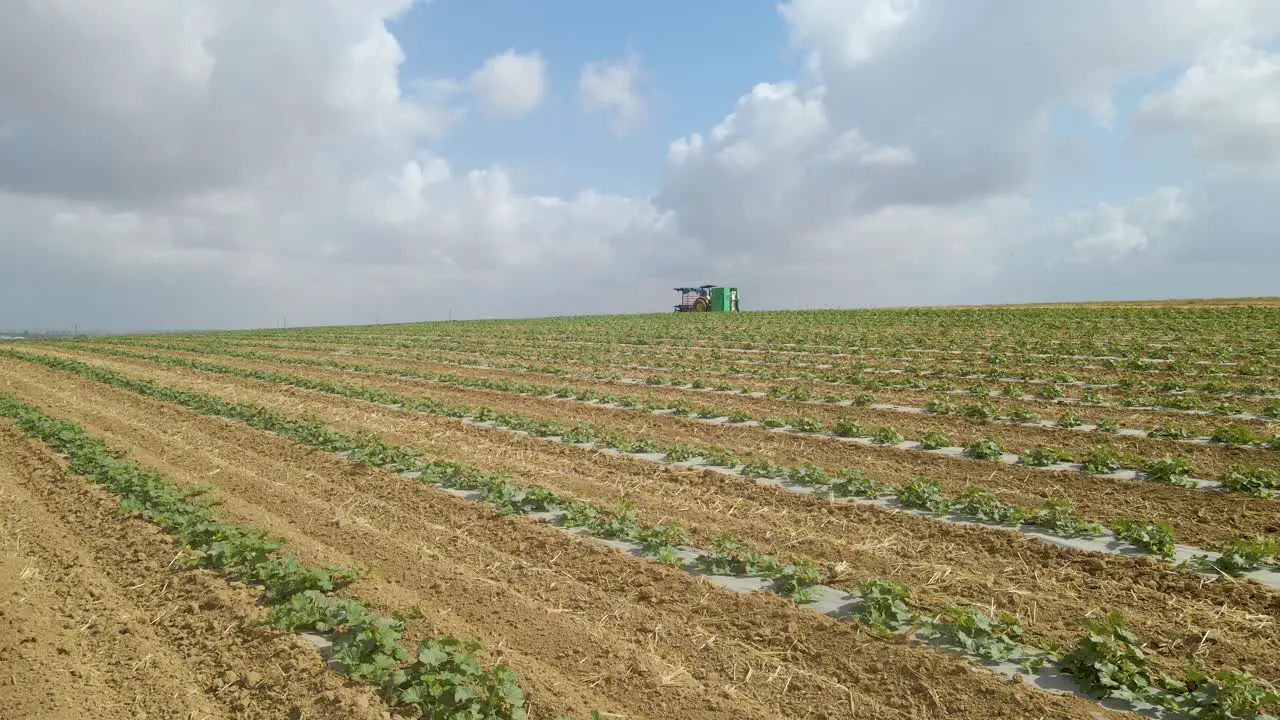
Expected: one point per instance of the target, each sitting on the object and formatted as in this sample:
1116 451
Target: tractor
707 298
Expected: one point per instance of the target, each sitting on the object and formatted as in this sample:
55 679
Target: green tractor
707 298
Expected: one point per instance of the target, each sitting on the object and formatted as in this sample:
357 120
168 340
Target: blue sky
697 58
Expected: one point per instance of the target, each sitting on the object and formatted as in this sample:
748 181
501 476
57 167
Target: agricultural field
1018 512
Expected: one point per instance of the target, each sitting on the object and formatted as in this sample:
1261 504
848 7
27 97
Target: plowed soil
1198 517
1051 589
95 622
584 626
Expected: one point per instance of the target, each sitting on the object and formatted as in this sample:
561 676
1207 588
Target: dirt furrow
803 664
95 621
1198 517
1049 587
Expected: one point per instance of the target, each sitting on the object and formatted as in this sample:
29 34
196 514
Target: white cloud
1112 233
510 83
222 162
610 87
1229 104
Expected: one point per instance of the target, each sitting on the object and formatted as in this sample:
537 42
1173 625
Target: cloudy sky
228 163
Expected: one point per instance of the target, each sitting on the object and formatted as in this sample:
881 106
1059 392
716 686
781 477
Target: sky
182 164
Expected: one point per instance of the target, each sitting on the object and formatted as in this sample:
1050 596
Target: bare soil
1050 588
584 626
96 622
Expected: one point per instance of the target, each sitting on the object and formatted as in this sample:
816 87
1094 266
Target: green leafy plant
661 542
855 483
998 639
1235 435
933 440
982 504
730 556
1023 415
1069 419
984 449
1152 536
885 606
1173 432
1100 460
1170 470
447 680
848 427
1239 556
1107 661
798 580
942 406
982 411
1252 480
1059 517
887 435
1042 456
923 494
1108 425
1227 695
807 424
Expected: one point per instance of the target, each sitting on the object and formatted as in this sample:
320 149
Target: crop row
1099 460
920 494
1164 395
981 411
443 676
1161 377
879 605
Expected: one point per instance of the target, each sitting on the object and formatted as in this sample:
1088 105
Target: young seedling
1069 419
1100 460
885 606
1252 480
1154 537
1042 456
847 427
855 483
1239 556
984 449
1107 661
998 639
1059 517
933 440
980 503
888 435
798 580
1169 470
923 494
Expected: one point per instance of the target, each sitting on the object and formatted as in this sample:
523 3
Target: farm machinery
707 298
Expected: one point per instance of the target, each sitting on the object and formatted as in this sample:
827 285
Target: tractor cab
707 298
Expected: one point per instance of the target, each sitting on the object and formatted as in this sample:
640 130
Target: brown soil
1050 588
1198 517
94 621
1208 461
579 622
